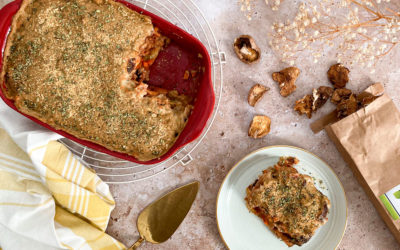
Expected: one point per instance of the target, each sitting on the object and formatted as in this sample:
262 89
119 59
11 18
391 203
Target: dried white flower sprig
246 6
361 31
274 4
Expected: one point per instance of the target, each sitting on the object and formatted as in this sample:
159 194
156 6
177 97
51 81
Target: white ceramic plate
242 230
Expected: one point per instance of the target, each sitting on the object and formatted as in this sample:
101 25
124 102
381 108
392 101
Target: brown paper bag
369 141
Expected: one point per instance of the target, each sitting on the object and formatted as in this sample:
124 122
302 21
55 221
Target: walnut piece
347 106
347 103
304 105
365 98
311 103
246 49
256 93
340 94
260 126
321 96
286 79
338 75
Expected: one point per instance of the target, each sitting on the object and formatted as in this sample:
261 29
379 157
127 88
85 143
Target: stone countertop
227 141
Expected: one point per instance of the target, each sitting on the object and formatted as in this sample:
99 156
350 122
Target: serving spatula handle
136 244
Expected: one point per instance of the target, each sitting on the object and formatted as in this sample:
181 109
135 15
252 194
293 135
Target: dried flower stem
359 30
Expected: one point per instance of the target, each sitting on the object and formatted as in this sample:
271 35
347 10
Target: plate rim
278 146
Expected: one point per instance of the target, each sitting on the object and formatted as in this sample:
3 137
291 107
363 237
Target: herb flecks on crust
79 66
288 202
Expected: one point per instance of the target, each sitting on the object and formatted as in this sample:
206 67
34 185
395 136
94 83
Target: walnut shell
260 126
365 98
347 106
256 93
311 103
338 75
304 105
320 96
286 79
340 94
246 49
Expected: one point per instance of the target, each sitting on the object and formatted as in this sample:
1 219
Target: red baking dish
167 72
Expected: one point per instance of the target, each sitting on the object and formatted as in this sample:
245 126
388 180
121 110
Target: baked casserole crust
288 202
80 66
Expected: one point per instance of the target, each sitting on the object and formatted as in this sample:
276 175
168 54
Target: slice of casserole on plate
288 202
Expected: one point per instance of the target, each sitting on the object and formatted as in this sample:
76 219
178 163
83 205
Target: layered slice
288 202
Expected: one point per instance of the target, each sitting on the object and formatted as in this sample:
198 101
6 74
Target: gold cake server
158 221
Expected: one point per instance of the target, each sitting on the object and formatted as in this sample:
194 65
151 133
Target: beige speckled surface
227 142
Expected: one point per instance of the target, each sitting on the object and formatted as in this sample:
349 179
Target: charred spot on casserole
81 66
288 202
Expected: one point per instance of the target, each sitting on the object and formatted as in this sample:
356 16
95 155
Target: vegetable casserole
81 66
288 202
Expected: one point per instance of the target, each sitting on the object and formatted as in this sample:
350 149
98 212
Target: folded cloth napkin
48 199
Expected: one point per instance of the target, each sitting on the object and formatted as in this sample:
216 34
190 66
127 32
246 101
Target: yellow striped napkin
48 199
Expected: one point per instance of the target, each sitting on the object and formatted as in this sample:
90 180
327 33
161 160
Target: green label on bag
391 200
